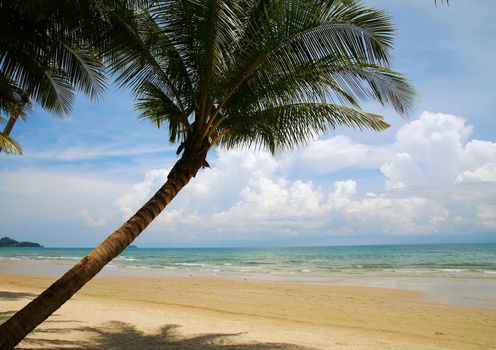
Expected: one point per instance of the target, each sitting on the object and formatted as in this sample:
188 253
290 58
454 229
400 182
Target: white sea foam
191 264
454 270
447 261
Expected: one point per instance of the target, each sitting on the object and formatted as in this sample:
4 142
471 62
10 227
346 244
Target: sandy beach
216 314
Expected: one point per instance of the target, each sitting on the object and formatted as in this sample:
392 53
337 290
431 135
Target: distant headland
9 242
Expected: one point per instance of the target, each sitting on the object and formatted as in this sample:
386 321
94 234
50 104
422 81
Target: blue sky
429 178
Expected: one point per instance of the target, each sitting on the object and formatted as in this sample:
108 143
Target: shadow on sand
123 336
16 295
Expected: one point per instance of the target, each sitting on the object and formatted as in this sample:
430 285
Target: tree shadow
124 336
54 319
4 295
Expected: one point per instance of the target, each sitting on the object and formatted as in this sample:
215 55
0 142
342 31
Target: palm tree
16 104
47 52
267 74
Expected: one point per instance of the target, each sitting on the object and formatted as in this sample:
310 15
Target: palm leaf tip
290 126
9 145
391 88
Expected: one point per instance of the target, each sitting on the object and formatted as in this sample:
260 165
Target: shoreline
454 290
123 312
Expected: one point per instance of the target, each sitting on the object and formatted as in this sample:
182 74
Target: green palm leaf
288 126
48 51
282 71
9 145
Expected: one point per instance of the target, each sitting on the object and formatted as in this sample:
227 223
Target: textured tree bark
38 310
8 127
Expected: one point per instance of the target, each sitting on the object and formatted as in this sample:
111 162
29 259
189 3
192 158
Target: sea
463 274
451 260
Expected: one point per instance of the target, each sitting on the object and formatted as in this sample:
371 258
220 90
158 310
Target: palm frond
289 126
54 93
156 106
146 53
270 73
42 44
82 68
328 80
9 145
298 32
377 83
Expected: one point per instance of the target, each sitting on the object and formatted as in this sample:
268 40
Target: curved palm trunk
9 126
38 310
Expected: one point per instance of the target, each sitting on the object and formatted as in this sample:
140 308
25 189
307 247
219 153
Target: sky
430 178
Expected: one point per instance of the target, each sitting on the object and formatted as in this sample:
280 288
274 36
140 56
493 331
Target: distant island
132 246
9 242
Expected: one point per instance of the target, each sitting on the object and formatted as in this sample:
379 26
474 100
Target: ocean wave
192 264
126 258
450 261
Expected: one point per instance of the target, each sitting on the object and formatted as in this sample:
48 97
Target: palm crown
270 74
47 52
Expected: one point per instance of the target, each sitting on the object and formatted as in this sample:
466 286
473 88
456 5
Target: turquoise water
451 260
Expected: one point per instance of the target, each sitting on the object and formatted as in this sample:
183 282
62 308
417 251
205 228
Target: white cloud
56 208
90 221
87 152
221 184
437 181
279 206
479 161
141 192
485 172
265 201
211 189
249 195
333 154
433 151
275 208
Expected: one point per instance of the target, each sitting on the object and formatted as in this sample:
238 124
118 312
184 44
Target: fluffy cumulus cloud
298 208
436 181
141 192
435 150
